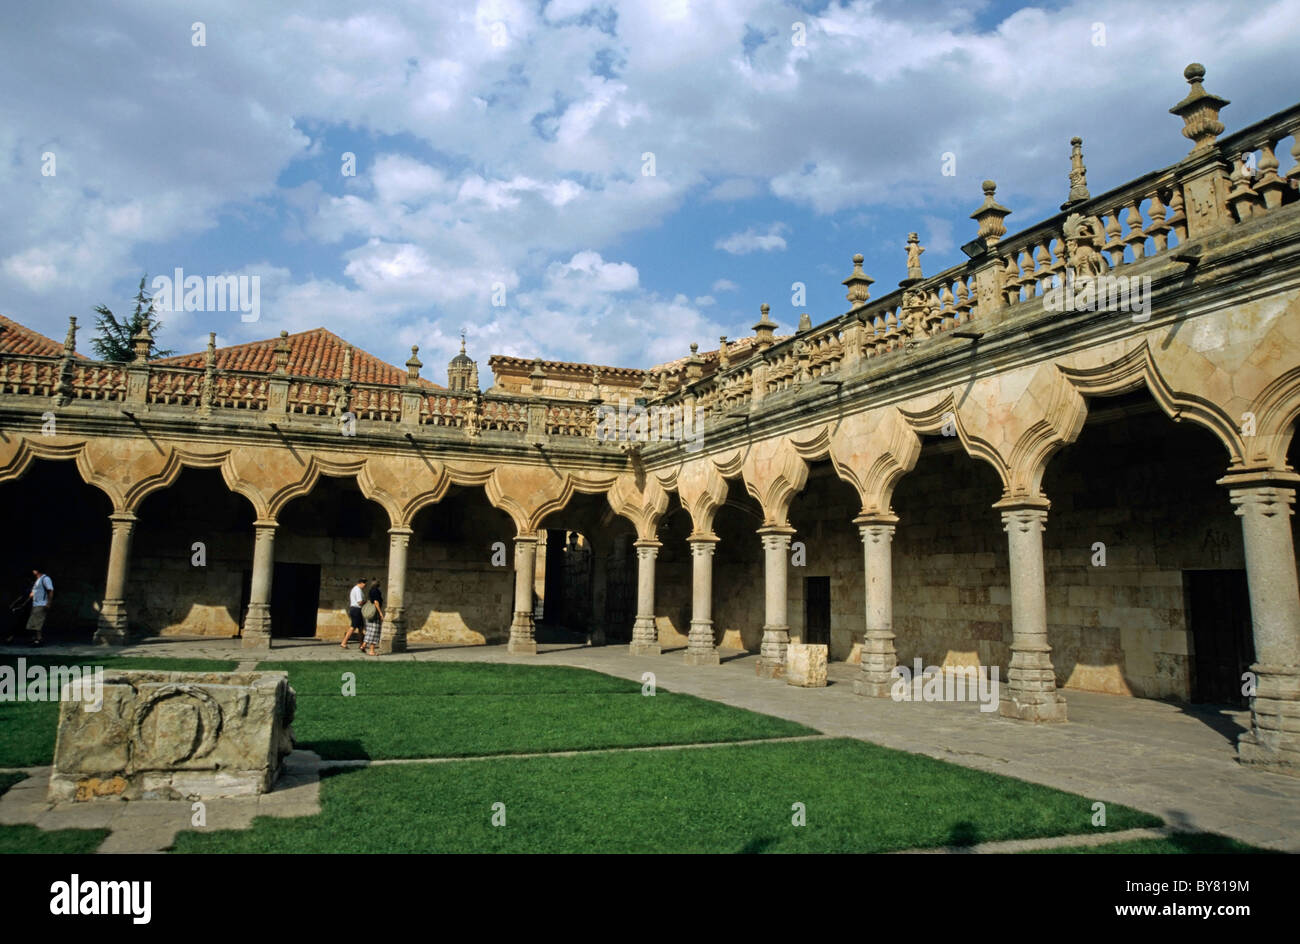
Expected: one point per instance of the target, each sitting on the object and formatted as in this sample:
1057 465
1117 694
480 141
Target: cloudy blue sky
504 142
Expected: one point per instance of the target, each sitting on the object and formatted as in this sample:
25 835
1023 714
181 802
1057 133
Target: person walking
41 595
373 612
357 624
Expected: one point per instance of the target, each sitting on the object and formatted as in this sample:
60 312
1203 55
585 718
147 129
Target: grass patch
858 797
28 839
1178 844
27 729
17 840
405 710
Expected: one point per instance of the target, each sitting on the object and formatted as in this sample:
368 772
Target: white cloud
754 240
725 285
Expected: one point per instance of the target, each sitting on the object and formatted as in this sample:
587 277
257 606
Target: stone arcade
954 472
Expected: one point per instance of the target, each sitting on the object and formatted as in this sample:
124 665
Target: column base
392 634
257 627
771 660
872 688
702 657
1273 741
645 637
522 642
112 626
1040 711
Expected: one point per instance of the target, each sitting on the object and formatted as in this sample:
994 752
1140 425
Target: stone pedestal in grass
805 665
173 735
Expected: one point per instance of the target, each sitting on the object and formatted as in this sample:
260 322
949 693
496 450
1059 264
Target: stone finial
913 250
859 284
1078 175
1199 110
724 359
595 383
648 384
70 342
281 356
805 323
413 365
990 216
764 329
662 388
210 356
538 376
141 342
694 364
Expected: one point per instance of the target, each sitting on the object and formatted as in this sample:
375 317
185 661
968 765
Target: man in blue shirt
42 595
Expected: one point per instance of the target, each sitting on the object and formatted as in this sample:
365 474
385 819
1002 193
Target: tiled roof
18 339
317 353
736 351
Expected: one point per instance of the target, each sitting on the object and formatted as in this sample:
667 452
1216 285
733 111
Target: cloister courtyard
583 759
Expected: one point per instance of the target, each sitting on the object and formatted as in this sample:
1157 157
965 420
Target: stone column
645 634
1265 509
878 654
699 645
392 635
776 622
112 627
257 621
1030 690
521 627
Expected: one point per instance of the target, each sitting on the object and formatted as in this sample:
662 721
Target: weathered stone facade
930 474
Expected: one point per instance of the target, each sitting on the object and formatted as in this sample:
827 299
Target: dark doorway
1218 615
817 610
295 599
553 601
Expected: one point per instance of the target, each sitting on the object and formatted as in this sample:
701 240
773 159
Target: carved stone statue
914 251
1082 246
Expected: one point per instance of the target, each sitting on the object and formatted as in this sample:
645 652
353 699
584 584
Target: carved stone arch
1113 369
118 464
702 490
943 410
774 473
17 455
403 485
1275 417
871 451
316 467
812 444
177 461
643 503
529 493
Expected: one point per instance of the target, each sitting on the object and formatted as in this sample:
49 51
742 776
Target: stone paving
152 825
1176 761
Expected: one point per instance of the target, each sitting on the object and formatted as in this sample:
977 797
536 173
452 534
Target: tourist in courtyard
373 612
41 595
357 623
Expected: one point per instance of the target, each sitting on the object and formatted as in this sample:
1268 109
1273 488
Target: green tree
113 343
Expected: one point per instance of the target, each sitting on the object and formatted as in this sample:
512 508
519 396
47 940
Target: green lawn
27 728
858 798
29 839
409 709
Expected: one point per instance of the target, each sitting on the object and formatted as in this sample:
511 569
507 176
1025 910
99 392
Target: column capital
868 519
402 530
1267 500
704 548
526 539
123 518
1260 478
702 538
265 524
776 538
